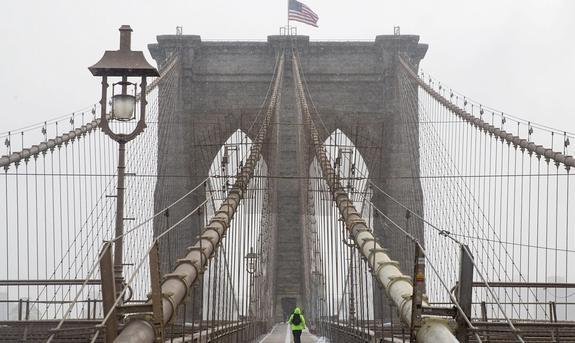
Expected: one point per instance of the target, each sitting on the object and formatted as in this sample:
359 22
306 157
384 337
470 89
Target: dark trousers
296 336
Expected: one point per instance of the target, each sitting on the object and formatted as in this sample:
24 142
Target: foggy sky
516 56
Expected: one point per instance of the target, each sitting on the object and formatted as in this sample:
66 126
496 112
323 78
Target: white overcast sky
517 56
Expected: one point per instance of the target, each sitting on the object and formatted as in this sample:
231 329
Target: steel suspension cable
174 289
388 274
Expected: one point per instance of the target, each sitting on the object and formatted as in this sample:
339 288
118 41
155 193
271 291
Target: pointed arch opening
240 264
336 266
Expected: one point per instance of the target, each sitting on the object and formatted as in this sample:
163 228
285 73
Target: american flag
300 12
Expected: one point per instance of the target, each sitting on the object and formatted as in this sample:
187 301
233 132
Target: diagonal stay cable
393 280
176 285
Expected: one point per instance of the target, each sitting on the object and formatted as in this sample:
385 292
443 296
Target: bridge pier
221 88
288 157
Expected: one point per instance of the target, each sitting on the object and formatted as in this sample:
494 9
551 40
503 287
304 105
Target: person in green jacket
297 324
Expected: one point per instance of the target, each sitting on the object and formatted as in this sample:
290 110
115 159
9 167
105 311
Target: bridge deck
281 334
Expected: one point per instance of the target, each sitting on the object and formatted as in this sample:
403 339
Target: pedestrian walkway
282 334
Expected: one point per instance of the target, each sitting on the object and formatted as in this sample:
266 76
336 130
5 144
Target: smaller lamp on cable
251 261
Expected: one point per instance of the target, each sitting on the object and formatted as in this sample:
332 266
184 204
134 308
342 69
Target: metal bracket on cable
156 296
464 293
153 309
108 291
418 291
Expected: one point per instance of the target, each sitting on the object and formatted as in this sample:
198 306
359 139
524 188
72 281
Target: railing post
464 294
552 311
94 308
27 316
89 308
108 291
19 309
418 291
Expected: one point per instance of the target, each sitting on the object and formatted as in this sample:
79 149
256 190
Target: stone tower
354 87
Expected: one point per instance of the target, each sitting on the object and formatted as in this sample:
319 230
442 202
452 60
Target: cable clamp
365 241
202 251
215 229
381 265
223 222
169 296
196 264
352 223
444 233
179 277
399 278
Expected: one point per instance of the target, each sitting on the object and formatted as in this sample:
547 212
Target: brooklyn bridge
204 199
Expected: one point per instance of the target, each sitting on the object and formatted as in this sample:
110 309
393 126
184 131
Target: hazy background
517 56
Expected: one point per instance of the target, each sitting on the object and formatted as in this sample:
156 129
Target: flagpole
288 30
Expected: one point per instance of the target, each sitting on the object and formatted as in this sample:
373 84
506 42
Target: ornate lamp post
251 268
122 64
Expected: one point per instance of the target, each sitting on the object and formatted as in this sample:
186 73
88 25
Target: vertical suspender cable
176 285
397 285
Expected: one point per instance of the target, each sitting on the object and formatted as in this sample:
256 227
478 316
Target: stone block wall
353 86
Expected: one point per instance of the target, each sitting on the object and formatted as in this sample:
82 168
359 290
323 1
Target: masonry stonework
354 87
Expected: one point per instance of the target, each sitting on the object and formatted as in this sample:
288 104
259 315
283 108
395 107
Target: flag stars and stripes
300 12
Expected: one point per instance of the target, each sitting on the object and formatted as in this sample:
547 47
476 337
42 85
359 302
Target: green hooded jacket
301 325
